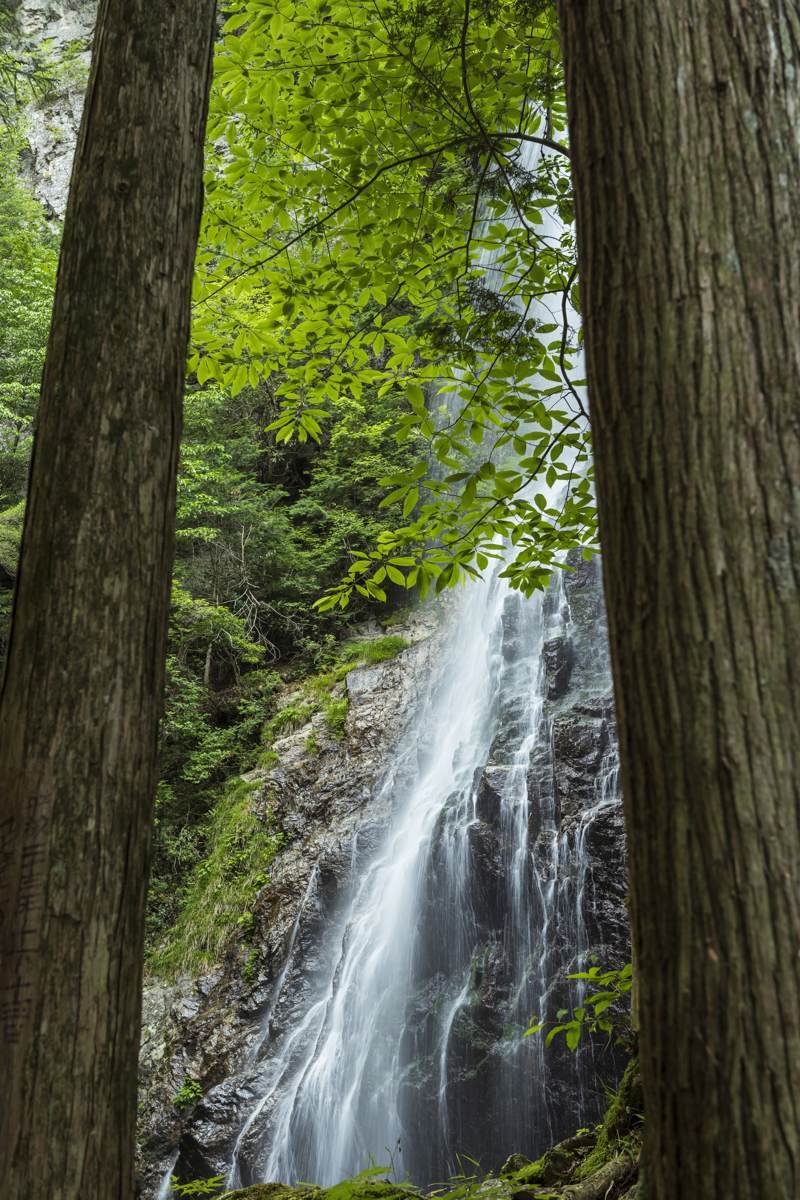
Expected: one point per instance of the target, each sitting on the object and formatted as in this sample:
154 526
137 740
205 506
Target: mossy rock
553 1167
350 1189
595 1164
620 1132
273 1191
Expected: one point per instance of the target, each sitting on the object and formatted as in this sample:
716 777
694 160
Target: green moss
620 1130
587 1154
360 1188
222 887
273 1191
376 650
553 1167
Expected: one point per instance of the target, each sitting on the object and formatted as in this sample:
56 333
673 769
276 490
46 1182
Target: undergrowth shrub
223 886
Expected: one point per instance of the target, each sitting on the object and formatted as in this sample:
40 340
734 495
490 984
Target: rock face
63 29
220 1030
211 1029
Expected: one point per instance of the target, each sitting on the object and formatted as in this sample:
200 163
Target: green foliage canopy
370 159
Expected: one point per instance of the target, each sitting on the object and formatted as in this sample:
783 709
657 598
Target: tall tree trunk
683 123
82 690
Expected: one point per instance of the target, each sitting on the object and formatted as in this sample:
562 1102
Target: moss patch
620 1132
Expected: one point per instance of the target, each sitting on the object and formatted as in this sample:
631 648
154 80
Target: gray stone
52 120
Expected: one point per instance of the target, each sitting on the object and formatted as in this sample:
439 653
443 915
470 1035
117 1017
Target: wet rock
491 785
488 869
558 658
580 744
515 1162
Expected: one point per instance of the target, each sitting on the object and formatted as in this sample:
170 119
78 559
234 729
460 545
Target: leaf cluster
605 1009
389 208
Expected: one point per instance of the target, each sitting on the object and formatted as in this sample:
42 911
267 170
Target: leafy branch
605 1009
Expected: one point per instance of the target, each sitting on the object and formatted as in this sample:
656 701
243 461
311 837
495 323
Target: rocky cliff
319 795
61 30
208 1042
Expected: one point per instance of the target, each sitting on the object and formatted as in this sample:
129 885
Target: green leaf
573 1037
411 501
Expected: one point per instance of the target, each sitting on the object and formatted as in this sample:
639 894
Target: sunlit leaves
376 219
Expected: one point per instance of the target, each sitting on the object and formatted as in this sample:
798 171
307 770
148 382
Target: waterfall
165 1186
407 1050
410 1052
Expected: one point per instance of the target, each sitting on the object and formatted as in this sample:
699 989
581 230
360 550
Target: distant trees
683 130
29 252
82 690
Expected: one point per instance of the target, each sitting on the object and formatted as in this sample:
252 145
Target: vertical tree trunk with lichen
683 123
82 690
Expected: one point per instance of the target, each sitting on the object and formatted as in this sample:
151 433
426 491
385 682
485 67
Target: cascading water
408 1046
456 929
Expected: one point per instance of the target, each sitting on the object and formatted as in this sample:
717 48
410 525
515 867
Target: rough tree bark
82 690
683 124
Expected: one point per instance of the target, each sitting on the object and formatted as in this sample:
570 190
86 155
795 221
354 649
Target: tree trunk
683 124
82 691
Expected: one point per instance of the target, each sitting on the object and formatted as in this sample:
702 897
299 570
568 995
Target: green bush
336 716
189 1092
222 887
